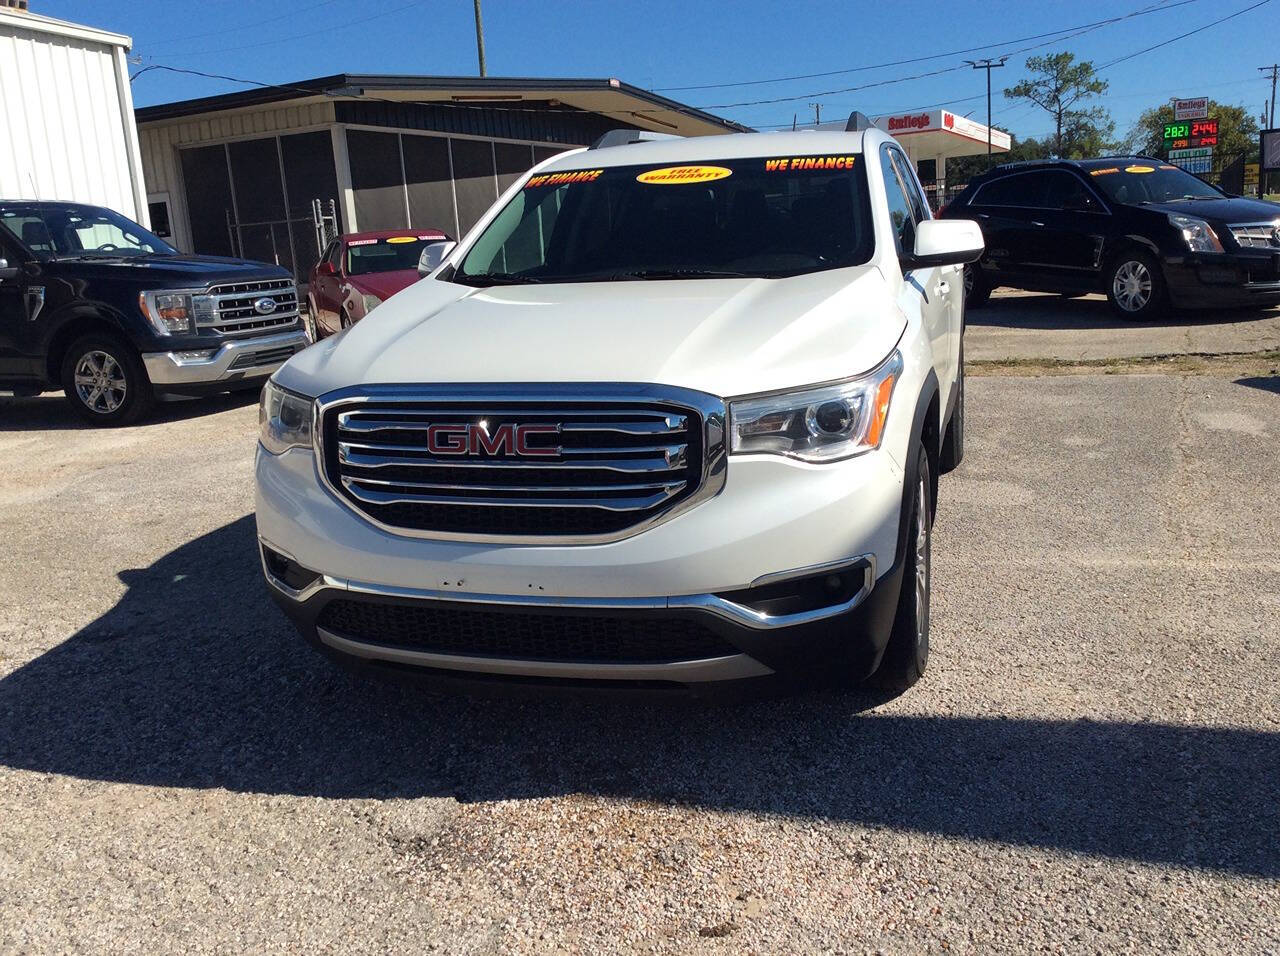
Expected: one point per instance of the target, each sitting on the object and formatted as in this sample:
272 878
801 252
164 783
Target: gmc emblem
474 439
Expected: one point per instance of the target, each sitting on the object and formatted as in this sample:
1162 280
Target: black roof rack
858 122
625 137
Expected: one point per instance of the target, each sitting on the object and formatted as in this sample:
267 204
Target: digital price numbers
1188 134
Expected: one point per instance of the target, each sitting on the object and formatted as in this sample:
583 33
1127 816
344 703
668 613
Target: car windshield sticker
399 239
362 242
683 175
1104 172
1167 166
792 164
562 179
1139 169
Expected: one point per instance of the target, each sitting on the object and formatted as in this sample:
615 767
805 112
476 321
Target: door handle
1034 223
983 215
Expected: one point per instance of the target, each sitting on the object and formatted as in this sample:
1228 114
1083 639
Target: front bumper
775 519
234 361
1233 280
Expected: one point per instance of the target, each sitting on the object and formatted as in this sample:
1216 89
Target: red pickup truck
361 269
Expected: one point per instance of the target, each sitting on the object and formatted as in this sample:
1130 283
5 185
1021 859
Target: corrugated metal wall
161 141
62 128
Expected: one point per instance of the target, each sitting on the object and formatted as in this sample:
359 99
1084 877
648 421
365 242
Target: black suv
92 303
1149 235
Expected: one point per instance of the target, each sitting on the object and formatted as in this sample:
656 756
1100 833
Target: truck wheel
976 290
953 441
907 653
105 382
1135 287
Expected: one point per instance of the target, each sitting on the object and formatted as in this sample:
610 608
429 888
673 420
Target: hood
1228 210
722 336
383 284
171 271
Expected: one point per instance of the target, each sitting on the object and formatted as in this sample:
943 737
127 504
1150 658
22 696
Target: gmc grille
620 464
228 309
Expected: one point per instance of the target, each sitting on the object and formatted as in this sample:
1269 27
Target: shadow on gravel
1050 311
50 412
1266 383
195 680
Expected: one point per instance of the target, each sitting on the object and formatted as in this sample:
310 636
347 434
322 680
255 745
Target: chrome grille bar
1255 235
228 309
619 458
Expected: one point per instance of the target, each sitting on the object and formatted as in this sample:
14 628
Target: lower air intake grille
523 636
488 465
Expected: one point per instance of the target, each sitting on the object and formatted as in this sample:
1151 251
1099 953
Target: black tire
1135 287
953 440
907 654
976 289
111 387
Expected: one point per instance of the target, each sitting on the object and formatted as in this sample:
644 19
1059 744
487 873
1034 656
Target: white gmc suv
671 416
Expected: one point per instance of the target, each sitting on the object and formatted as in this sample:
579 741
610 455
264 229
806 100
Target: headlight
1198 234
817 424
284 419
371 302
172 313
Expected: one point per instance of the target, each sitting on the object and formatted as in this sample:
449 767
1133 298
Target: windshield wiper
679 274
495 278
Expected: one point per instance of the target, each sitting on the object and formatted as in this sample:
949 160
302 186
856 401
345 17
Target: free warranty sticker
681 175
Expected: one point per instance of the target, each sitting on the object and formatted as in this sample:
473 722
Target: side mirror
945 242
325 268
434 253
7 271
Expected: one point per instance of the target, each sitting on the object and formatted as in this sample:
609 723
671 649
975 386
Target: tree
961 169
1060 86
1237 130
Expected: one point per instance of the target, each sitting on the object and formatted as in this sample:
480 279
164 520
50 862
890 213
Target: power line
1096 24
1182 36
245 26
344 25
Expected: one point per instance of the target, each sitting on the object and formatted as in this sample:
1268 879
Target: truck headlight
284 419
817 424
1198 234
171 313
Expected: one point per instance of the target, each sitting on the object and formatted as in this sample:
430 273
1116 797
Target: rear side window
1020 189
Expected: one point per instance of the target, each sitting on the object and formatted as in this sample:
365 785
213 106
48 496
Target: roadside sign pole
988 65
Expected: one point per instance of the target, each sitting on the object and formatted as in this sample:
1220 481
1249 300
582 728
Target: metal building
66 114
268 173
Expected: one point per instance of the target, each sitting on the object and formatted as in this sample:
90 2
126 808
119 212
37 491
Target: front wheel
105 381
907 654
1136 288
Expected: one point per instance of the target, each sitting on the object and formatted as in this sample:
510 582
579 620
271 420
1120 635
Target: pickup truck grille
456 468
230 308
1258 235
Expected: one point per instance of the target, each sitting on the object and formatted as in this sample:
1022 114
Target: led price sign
1188 134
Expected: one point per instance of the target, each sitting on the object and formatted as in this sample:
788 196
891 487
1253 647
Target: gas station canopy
941 134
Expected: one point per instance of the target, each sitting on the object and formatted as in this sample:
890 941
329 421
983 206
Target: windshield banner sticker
562 179
1104 172
681 175
804 163
1139 169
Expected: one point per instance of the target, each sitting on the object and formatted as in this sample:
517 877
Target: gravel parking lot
1092 762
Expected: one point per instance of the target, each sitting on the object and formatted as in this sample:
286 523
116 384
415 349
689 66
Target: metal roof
36 23
605 96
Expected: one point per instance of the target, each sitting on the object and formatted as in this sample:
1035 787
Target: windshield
1150 182
724 218
56 231
393 254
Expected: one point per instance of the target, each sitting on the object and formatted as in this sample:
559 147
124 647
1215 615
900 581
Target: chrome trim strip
710 481
375 497
629 465
165 368
323 583
707 603
730 667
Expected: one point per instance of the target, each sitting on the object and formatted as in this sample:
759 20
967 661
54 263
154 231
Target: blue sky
664 44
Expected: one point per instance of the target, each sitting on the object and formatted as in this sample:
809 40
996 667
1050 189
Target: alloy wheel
1132 286
100 382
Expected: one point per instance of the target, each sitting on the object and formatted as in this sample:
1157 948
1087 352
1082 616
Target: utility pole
988 65
817 113
480 37
1273 68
